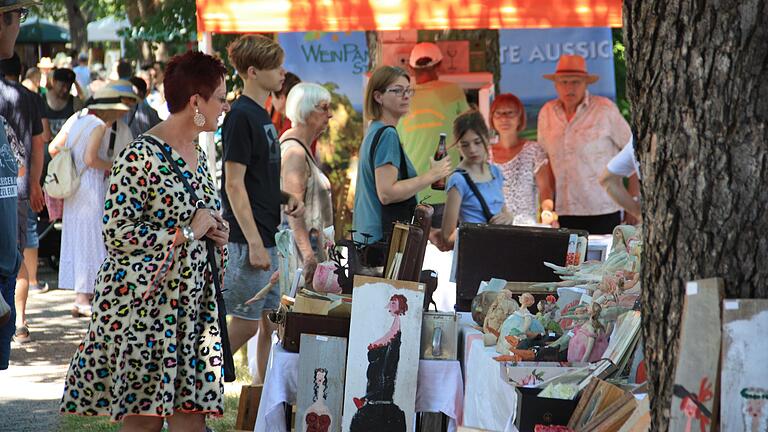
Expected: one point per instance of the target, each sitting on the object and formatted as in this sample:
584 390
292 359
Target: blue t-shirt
493 191
367 212
10 258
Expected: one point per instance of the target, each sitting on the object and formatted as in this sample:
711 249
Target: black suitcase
512 253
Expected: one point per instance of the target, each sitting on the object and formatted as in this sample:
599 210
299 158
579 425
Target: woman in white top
82 247
523 163
308 106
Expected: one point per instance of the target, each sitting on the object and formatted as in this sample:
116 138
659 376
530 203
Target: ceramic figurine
546 315
502 307
590 339
521 324
481 304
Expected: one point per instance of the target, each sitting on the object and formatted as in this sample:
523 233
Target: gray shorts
242 281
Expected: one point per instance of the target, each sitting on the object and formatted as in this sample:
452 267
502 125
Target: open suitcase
512 253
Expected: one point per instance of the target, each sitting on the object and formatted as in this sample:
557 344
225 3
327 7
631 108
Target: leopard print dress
153 345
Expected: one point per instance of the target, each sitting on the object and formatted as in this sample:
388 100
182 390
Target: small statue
522 324
590 339
546 315
502 307
481 304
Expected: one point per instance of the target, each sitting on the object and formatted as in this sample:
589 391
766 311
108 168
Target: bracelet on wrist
188 233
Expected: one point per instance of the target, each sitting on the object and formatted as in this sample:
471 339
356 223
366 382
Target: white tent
105 30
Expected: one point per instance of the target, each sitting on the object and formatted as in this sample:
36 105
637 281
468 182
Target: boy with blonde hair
251 195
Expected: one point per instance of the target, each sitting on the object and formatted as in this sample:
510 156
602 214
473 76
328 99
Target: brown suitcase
294 324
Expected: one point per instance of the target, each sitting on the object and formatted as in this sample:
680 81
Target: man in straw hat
12 13
581 132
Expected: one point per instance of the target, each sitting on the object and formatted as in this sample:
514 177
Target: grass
226 423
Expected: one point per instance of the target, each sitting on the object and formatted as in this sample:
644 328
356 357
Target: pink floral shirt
579 150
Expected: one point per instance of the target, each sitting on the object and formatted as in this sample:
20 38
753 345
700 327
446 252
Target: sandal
44 288
22 335
79 311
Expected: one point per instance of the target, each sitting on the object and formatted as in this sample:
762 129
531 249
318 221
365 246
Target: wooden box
295 324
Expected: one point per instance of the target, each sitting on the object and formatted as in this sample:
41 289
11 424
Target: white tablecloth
439 389
489 402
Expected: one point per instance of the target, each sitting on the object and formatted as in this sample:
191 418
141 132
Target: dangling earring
198 119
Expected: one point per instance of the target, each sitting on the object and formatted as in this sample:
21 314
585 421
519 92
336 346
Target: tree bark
78 22
696 77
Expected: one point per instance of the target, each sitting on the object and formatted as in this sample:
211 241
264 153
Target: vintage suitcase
512 253
439 335
405 253
533 410
291 325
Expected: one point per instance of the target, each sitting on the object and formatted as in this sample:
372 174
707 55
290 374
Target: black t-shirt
250 138
56 119
21 108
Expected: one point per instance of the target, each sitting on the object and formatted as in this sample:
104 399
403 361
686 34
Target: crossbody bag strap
112 138
402 172
472 186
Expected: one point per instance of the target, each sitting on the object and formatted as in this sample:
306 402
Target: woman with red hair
153 349
528 179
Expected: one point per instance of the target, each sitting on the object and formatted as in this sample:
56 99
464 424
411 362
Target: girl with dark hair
153 350
475 189
377 411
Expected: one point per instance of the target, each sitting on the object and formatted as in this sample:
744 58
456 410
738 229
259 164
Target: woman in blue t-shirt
463 203
386 180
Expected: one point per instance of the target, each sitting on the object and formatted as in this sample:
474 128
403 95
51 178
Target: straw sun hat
107 99
45 63
572 65
9 5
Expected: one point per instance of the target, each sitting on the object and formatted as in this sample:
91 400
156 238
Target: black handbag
226 349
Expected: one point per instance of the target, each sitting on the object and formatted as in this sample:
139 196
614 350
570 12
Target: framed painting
383 355
322 363
744 388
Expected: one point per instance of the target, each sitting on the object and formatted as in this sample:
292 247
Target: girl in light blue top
463 203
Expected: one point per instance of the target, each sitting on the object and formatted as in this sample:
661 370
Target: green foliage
174 22
620 68
55 10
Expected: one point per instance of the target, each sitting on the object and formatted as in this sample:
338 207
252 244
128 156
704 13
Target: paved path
31 388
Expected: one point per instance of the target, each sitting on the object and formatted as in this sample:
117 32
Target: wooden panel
383 355
744 395
248 406
322 364
698 358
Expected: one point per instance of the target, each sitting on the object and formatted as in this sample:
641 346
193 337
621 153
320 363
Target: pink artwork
755 409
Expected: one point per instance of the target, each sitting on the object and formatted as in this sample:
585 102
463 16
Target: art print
383 356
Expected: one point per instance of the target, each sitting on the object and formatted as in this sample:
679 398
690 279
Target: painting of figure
322 361
383 356
744 379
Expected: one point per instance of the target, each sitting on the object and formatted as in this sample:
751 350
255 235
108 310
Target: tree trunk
696 76
78 22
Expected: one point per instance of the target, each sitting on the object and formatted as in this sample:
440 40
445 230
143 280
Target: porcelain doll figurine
522 324
502 307
590 339
546 315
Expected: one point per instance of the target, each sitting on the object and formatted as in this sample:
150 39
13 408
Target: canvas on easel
744 388
319 399
695 386
383 355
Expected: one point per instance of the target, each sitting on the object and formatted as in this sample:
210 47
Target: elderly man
581 132
434 106
12 13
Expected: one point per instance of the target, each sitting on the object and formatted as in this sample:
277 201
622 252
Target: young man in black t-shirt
251 195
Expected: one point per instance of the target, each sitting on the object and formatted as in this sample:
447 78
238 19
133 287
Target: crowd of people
148 235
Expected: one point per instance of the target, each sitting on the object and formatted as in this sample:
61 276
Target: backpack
62 179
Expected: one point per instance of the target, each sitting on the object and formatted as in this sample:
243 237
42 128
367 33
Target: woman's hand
204 221
503 218
440 169
294 207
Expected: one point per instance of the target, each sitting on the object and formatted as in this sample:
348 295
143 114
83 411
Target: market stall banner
243 16
319 57
526 55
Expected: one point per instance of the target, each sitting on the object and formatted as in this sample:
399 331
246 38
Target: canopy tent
106 29
242 16
40 31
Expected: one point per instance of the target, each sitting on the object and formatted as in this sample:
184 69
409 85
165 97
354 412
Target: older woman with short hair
154 349
308 106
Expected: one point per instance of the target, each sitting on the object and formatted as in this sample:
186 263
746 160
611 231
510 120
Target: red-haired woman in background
528 180
153 349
